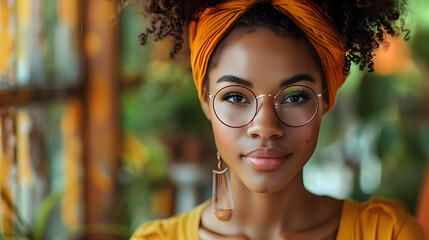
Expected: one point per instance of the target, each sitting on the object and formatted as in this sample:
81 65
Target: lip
266 159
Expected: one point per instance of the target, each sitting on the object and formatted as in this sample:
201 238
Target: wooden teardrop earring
222 202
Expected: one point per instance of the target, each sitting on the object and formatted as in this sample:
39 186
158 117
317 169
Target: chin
266 189
266 183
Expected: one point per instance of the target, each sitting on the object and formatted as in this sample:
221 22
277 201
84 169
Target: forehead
265 59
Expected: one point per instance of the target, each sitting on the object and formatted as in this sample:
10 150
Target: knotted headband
214 22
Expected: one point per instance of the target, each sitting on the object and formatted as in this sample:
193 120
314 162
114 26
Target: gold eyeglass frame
318 95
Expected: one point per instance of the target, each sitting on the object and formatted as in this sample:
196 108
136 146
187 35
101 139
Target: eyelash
302 95
233 94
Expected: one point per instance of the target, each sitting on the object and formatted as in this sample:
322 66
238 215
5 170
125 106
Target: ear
205 103
325 106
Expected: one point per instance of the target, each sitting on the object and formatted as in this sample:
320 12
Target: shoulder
182 226
378 219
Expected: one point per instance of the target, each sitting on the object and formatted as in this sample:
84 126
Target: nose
266 124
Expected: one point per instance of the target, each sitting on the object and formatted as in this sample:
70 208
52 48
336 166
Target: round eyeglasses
236 106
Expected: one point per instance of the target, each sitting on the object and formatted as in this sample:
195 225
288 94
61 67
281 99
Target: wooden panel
7 44
71 124
7 173
25 96
101 48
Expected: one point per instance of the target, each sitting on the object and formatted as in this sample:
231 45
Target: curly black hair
364 24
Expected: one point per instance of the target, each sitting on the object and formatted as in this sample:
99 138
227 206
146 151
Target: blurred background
99 134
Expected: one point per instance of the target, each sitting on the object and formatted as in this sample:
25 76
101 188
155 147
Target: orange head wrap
214 22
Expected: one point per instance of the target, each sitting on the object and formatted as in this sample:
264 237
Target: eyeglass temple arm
321 94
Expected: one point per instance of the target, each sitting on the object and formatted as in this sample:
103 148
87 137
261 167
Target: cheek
306 137
311 133
225 138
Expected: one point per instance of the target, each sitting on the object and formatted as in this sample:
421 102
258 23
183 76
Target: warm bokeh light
394 57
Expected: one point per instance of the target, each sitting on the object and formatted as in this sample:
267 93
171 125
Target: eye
295 98
235 98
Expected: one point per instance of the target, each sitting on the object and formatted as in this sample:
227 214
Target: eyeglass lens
236 106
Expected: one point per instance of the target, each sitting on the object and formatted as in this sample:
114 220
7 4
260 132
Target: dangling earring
222 202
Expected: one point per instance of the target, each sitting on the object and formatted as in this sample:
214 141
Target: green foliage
44 212
395 103
165 104
141 184
22 229
159 102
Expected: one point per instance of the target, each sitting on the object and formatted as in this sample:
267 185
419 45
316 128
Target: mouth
266 159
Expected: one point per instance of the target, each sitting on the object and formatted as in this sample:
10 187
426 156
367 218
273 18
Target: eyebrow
297 78
286 82
234 79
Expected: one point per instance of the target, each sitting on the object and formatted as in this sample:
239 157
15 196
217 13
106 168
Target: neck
281 209
271 215
266 215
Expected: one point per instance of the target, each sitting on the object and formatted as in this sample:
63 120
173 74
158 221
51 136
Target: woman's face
265 154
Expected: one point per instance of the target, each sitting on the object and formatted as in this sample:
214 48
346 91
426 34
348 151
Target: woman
266 73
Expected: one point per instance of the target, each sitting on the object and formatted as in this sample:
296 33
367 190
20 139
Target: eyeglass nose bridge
259 105
266 95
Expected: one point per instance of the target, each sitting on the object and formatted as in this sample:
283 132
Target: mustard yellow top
377 219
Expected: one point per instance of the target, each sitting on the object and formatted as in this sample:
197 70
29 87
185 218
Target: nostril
265 133
266 129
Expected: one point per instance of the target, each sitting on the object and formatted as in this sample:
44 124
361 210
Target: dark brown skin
268 204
